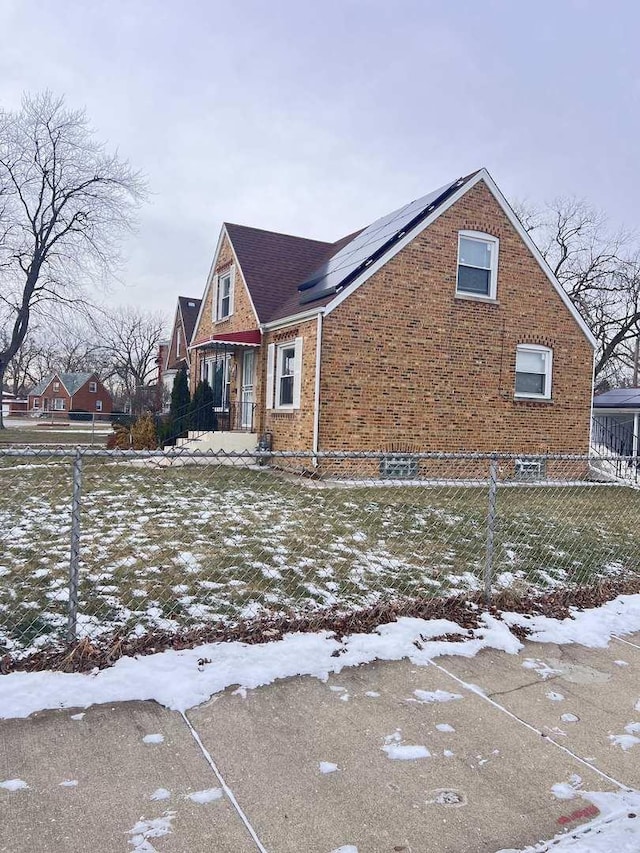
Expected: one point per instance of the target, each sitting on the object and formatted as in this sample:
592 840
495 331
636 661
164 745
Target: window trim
98 405
230 273
36 403
56 386
274 375
280 348
56 407
480 236
548 374
93 387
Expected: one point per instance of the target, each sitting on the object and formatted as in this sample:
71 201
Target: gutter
316 396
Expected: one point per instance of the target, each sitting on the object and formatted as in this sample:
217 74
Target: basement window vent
398 467
530 469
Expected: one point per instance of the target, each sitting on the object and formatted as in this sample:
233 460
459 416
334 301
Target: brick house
175 353
70 392
438 327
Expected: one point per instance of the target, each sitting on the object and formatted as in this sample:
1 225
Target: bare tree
25 368
600 271
65 203
129 341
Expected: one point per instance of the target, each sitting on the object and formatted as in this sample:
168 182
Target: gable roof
373 243
189 308
72 382
287 275
273 265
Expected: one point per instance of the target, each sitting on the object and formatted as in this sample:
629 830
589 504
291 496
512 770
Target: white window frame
56 407
280 350
36 402
93 387
98 405
275 375
548 373
56 386
178 342
231 275
481 237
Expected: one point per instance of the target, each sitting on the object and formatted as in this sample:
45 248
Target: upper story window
56 386
477 265
93 387
533 371
178 343
224 300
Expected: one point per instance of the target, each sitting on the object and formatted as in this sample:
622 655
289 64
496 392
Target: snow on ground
145 829
240 543
206 796
429 696
13 785
617 827
154 738
160 794
180 680
628 740
328 767
399 751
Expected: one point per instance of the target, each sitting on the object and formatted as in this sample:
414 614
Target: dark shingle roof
285 274
71 381
618 398
189 309
273 266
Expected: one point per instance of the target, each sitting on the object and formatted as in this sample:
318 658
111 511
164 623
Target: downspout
316 397
636 424
593 385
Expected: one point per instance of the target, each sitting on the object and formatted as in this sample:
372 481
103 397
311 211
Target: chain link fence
104 544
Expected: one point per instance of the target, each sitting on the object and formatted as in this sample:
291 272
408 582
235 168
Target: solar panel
361 251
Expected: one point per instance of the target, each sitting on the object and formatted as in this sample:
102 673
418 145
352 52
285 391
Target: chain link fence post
491 528
74 559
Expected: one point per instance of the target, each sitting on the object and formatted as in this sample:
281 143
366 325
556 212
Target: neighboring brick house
439 327
175 353
70 392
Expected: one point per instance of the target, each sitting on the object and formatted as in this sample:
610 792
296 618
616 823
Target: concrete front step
230 442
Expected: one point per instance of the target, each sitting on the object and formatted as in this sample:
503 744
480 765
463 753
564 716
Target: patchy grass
179 547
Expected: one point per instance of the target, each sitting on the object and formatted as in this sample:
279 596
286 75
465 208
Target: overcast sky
315 118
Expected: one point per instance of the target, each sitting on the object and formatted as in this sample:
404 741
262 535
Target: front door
246 391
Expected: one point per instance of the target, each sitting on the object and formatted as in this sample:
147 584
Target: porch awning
248 338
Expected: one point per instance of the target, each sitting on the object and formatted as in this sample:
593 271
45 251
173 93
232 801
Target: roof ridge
282 234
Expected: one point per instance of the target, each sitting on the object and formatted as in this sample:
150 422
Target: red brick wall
242 319
85 400
405 362
291 430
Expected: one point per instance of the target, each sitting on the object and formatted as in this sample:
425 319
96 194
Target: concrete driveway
459 755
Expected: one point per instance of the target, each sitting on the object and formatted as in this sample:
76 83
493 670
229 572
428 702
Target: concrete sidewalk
480 781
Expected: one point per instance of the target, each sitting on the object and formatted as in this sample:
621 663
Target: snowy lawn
176 547
54 436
